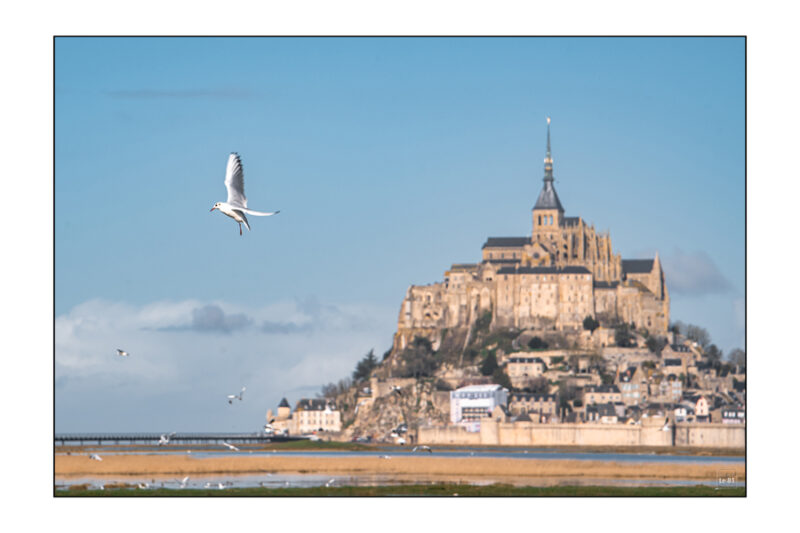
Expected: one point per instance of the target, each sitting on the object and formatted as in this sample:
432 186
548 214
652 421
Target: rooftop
506 242
544 270
637 266
491 387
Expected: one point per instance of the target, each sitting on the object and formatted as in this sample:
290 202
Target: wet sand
429 465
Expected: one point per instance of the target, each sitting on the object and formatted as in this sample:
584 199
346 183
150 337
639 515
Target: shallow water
315 480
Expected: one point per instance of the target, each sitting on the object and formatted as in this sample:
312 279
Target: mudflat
428 465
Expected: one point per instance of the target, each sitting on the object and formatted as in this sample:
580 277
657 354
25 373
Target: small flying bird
422 448
95 457
236 206
385 457
183 482
164 439
231 446
666 426
232 397
122 353
396 389
329 483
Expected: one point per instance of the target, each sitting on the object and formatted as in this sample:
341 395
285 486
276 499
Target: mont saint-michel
553 279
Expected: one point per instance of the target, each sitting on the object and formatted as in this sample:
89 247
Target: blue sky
389 159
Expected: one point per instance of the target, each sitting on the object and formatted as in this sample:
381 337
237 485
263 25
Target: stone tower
548 214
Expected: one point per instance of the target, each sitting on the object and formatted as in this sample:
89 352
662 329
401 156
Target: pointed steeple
548 199
548 158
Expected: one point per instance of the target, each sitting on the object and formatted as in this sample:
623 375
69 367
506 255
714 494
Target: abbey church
551 280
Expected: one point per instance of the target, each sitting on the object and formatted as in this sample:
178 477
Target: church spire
548 199
548 159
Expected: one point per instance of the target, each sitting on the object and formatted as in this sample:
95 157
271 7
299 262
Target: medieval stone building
553 279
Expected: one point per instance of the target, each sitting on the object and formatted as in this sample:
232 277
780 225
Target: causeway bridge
80 439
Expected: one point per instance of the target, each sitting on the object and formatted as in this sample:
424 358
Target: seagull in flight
231 446
232 397
164 439
422 448
236 206
184 481
95 457
122 353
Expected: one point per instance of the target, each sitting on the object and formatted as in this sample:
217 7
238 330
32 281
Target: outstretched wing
259 213
234 181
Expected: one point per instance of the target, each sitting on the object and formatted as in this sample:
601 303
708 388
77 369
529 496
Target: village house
541 404
312 415
601 394
668 389
632 383
679 351
733 415
521 370
604 413
702 408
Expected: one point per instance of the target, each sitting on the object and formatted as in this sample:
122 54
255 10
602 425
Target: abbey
553 279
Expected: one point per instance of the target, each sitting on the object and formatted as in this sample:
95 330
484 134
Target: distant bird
122 353
236 206
184 481
396 389
164 439
329 483
95 457
385 457
232 397
666 426
422 448
144 485
231 446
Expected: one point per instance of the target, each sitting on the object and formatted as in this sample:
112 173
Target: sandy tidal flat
474 467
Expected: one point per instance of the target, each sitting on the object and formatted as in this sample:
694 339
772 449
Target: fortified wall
532 434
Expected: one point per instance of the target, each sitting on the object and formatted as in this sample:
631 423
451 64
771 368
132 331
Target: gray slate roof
637 266
544 270
548 199
506 242
606 284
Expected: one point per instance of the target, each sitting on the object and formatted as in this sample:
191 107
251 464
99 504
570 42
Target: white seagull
122 353
95 457
164 439
236 206
232 397
184 481
422 448
231 446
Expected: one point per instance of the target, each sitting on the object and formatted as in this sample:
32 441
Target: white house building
469 404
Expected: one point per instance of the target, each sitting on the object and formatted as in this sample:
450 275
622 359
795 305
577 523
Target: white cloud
186 356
